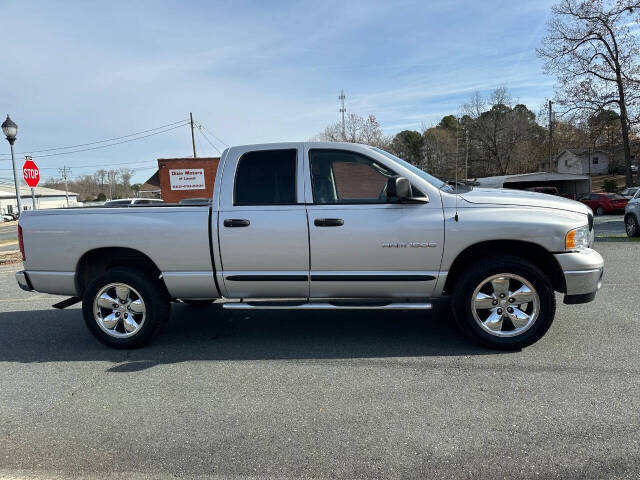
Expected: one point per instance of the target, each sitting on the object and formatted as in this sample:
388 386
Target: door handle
328 222
236 222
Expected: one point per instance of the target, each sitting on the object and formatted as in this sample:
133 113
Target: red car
605 202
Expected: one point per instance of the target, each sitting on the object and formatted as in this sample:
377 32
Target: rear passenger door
262 224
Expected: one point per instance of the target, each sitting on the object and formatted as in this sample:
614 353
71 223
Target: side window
266 177
341 177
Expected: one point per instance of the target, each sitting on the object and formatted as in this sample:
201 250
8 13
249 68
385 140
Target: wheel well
535 254
96 262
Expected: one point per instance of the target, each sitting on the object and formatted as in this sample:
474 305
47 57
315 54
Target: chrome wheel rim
505 305
630 224
119 310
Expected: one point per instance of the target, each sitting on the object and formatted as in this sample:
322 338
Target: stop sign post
31 174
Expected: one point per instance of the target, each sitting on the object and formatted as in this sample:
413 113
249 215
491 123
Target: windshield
436 182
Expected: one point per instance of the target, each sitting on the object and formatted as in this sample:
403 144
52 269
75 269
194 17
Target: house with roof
582 161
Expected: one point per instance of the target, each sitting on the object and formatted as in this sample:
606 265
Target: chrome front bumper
23 281
583 271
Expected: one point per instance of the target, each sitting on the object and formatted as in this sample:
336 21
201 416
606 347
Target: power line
111 144
206 139
209 132
100 141
88 166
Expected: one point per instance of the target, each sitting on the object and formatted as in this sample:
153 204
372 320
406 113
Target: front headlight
577 238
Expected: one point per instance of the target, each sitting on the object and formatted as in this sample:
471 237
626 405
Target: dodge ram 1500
320 226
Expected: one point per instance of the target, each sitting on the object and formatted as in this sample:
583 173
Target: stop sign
31 173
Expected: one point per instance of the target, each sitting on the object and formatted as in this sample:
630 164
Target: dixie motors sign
187 179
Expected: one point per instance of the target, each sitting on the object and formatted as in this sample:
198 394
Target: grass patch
616 237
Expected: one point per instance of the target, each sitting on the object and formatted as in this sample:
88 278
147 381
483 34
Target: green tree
408 145
449 122
503 136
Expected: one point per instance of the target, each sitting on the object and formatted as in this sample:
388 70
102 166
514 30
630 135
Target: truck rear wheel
504 303
125 308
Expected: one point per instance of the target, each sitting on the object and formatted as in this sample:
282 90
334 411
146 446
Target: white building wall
41 202
599 168
569 162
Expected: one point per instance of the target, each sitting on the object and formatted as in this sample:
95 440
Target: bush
610 186
101 197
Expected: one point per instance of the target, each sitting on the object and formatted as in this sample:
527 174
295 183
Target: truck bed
175 236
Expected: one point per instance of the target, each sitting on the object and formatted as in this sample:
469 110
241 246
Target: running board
324 306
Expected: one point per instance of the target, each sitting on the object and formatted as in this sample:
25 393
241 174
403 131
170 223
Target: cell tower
342 111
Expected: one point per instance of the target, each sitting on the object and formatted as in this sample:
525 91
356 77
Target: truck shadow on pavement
213 334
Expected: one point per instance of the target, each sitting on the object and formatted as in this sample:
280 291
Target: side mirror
398 189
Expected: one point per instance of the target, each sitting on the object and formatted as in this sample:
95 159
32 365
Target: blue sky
77 72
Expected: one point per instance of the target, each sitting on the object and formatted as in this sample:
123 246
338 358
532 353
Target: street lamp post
10 130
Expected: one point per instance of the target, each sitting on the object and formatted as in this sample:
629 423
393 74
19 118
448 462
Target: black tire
475 274
600 211
152 293
631 226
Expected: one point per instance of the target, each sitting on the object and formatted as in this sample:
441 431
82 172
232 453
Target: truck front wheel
125 308
504 303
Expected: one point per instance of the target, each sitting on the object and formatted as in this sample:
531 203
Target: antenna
342 111
456 174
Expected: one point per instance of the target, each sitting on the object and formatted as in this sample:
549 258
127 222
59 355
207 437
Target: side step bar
324 306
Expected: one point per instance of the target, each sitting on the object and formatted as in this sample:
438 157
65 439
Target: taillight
21 243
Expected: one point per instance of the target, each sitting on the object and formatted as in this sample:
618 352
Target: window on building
595 160
338 176
266 177
566 162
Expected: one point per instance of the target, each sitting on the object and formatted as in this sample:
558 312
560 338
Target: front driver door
361 244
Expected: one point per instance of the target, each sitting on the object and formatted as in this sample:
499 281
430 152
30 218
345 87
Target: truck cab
311 222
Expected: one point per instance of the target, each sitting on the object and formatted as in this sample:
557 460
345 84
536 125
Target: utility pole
193 138
550 136
64 172
342 111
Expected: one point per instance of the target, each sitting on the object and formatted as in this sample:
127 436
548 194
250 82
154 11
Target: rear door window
266 177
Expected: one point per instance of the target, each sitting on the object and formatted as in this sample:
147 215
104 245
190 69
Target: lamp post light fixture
10 130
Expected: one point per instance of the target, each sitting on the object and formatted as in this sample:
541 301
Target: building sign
187 179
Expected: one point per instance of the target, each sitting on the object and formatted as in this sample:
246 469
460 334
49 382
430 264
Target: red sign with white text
31 173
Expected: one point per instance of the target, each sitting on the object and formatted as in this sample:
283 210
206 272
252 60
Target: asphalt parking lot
225 394
8 236
609 224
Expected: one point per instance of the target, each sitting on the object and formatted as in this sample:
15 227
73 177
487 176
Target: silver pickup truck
320 226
